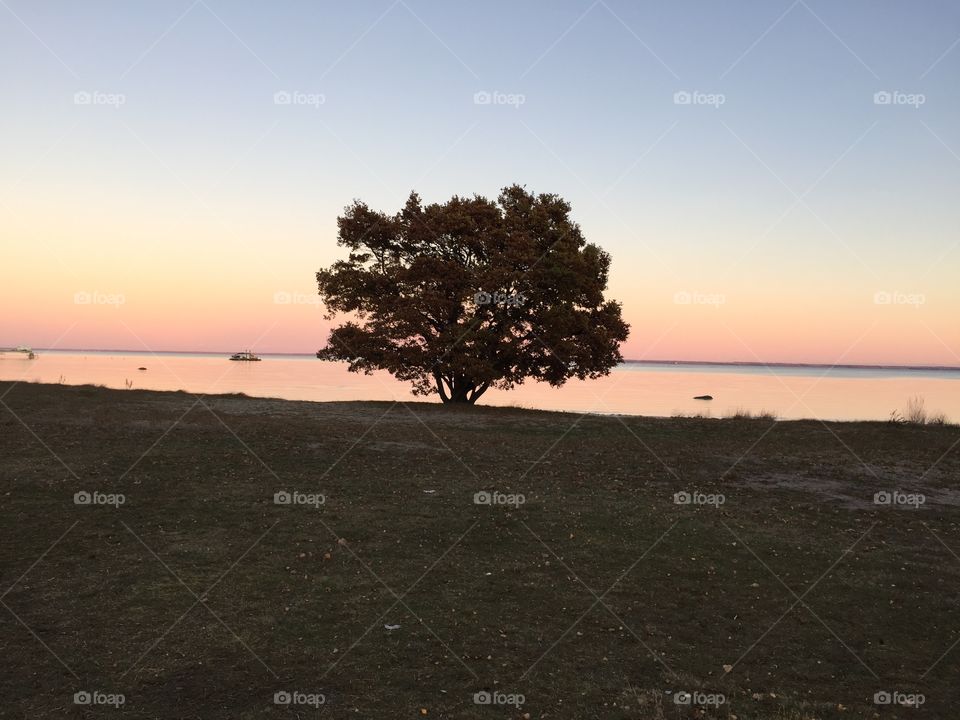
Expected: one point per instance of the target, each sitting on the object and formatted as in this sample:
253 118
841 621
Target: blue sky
793 190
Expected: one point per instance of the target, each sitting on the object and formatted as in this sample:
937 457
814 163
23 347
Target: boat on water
23 350
245 356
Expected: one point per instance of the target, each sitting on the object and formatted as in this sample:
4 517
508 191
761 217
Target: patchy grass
916 414
744 414
597 597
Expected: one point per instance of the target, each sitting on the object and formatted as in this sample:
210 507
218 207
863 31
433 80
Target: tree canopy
471 294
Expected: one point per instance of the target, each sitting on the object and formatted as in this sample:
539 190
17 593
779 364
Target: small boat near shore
23 350
245 356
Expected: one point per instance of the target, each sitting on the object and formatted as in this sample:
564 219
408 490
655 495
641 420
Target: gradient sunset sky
775 180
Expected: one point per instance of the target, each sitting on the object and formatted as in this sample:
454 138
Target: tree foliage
471 294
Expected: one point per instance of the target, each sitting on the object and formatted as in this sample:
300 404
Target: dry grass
744 414
486 597
916 414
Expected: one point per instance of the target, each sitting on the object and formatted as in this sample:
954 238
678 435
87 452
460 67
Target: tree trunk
458 389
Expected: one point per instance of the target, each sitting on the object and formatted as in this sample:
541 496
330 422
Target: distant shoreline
702 363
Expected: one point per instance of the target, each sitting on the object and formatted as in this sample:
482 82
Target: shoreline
628 361
480 407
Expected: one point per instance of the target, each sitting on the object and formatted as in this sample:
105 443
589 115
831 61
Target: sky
775 180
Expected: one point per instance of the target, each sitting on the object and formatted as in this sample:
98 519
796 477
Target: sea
664 389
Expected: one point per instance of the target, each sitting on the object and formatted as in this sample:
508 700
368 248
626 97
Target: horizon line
731 363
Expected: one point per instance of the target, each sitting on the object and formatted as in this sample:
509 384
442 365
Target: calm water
632 388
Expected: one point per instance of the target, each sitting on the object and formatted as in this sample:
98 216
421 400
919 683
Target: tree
471 294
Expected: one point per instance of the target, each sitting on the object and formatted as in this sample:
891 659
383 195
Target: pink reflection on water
636 389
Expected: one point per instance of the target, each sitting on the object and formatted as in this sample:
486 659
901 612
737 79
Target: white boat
245 356
23 350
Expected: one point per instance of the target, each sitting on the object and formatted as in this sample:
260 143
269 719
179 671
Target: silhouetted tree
471 294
